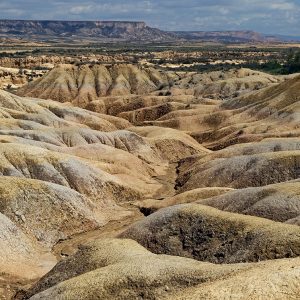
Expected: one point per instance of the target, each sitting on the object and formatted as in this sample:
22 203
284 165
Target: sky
265 16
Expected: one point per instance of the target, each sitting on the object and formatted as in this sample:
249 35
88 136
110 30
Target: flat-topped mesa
125 24
43 24
97 29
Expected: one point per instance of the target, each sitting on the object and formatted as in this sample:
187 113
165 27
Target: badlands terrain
126 181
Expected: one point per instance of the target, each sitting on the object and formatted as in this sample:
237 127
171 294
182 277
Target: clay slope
242 171
48 194
141 94
84 84
220 84
279 202
208 234
119 269
65 171
172 144
276 98
187 107
149 206
37 113
21 256
271 112
206 176
278 279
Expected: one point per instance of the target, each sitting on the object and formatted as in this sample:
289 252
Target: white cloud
283 6
77 10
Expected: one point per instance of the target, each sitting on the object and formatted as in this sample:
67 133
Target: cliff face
100 29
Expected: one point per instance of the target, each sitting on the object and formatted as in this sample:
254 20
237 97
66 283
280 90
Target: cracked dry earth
129 183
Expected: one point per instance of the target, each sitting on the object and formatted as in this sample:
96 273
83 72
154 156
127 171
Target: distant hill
284 38
82 29
225 36
122 30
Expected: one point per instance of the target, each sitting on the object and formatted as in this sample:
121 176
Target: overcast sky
266 16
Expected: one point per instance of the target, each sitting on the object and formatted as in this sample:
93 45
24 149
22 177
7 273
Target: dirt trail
113 228
9 285
69 246
168 181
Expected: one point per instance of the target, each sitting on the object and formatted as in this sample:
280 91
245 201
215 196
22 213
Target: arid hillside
88 85
125 265
107 169
84 84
